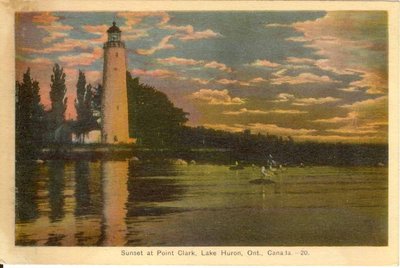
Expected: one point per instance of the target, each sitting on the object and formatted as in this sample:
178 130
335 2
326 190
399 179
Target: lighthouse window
117 107
115 69
116 54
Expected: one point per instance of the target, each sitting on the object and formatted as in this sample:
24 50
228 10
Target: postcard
200 133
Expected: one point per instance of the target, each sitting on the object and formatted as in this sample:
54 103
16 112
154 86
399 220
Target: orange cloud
314 101
42 61
162 45
299 39
284 97
179 61
83 59
45 18
264 63
277 25
161 73
297 60
218 65
276 111
227 81
368 119
349 89
55 27
258 80
376 82
96 29
48 22
370 110
216 97
189 62
67 44
302 78
201 81
350 117
299 134
193 35
188 33
345 52
134 18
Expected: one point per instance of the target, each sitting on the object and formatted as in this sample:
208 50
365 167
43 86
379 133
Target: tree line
37 127
157 124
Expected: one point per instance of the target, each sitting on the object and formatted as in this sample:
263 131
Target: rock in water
179 162
133 158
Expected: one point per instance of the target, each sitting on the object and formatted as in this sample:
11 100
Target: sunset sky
319 76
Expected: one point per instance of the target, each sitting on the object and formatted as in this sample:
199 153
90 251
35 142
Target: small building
63 134
91 137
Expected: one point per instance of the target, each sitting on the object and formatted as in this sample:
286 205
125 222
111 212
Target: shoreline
224 156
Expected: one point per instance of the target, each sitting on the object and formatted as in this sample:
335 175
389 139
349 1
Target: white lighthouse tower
114 109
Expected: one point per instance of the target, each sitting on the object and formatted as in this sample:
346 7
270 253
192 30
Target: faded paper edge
10 254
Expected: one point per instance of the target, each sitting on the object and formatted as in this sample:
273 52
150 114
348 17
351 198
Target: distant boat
238 167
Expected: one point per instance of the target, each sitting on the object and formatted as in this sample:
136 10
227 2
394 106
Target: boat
236 167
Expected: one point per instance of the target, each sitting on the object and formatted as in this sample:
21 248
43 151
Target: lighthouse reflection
115 196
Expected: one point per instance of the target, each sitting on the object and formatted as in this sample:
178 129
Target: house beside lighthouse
114 108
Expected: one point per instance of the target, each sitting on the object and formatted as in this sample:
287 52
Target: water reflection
145 191
26 208
157 168
82 192
56 188
115 194
116 203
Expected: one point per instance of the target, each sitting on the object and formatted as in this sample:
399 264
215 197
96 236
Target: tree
96 99
153 118
58 99
29 114
80 96
83 105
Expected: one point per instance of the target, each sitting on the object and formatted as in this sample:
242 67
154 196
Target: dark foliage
29 114
84 109
153 119
256 148
56 115
96 99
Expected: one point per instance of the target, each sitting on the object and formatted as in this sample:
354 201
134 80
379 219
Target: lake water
117 203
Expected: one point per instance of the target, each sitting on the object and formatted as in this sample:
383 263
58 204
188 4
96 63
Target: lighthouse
114 108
